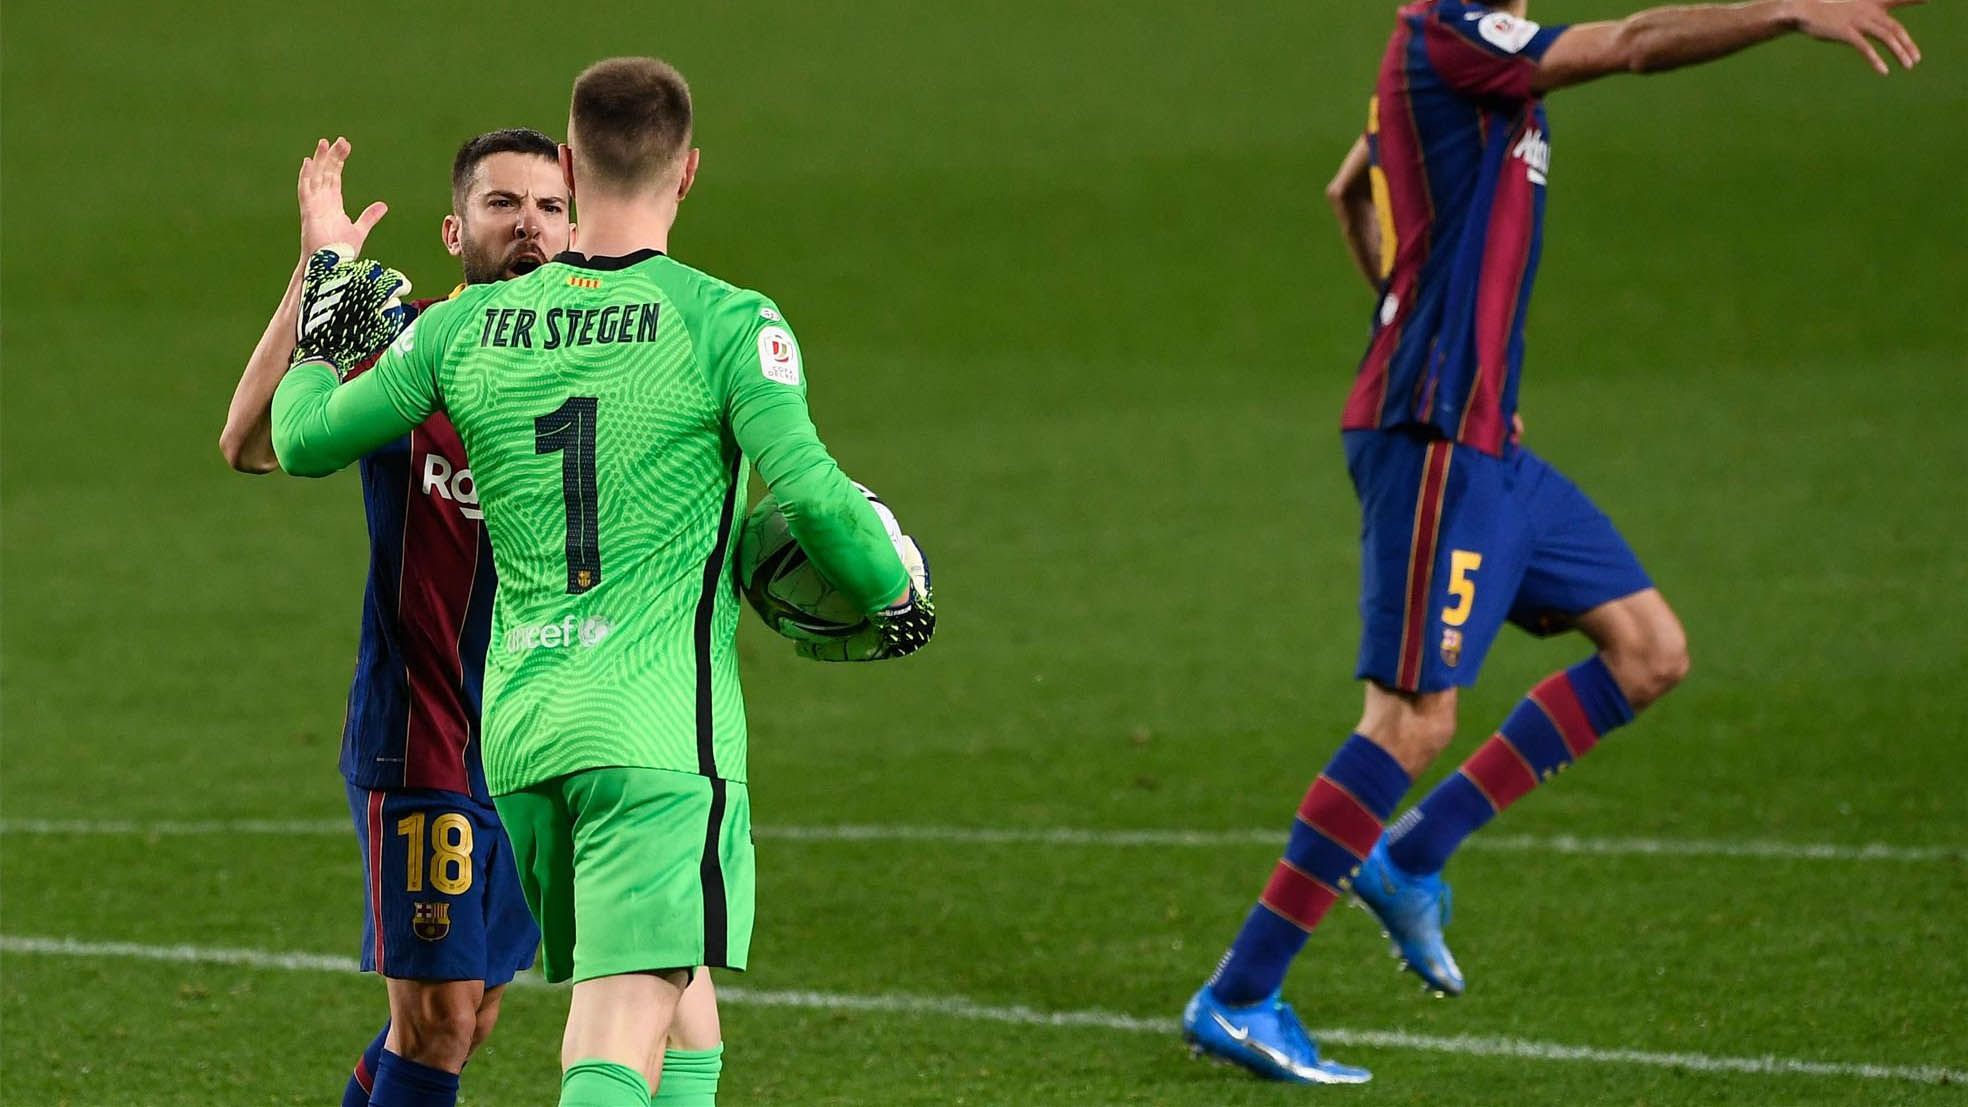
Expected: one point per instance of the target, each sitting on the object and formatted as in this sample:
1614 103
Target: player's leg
432 1023
1337 823
1413 727
1417 502
1642 642
1643 655
436 875
663 881
1439 575
612 1052
1581 572
1560 720
694 1059
697 1025
1238 1014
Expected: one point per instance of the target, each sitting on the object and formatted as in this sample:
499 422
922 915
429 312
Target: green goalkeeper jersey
610 408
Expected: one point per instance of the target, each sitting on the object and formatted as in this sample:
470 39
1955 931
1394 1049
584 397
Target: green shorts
633 870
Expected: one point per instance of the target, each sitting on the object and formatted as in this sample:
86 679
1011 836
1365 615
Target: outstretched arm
1351 197
247 440
320 427
1660 39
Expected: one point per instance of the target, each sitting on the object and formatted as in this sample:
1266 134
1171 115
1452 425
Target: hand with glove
896 631
350 308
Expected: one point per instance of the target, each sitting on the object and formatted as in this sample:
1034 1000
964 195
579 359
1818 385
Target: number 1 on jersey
570 431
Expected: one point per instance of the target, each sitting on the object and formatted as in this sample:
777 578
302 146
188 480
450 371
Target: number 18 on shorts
441 899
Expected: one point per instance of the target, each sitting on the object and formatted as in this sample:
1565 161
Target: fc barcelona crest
431 921
1451 646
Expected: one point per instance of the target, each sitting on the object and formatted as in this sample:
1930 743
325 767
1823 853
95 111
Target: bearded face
512 217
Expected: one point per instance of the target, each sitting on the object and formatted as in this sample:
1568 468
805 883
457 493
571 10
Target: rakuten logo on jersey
571 631
1535 152
458 487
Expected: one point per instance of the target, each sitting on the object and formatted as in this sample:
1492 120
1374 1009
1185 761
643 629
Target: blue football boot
1264 1037
1412 911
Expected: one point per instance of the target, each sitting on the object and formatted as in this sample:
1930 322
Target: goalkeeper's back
596 399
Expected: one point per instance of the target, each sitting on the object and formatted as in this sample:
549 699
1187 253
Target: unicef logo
593 629
571 631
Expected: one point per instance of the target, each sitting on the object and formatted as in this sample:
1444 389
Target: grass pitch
1072 302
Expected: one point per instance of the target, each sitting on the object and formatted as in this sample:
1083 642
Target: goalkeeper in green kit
610 402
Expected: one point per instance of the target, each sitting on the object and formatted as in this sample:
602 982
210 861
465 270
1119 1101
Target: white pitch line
1068 836
957 1007
1510 843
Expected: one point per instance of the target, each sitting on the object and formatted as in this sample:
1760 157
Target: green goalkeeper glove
894 632
351 307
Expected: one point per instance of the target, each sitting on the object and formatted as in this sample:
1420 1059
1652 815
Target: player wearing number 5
610 402
1442 203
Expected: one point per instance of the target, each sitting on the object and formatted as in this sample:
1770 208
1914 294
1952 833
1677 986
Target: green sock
593 1083
690 1078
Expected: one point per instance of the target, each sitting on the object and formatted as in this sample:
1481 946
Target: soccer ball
785 587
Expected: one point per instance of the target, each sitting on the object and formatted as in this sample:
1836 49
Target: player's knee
1431 731
441 1035
1674 663
1414 728
1653 667
1667 656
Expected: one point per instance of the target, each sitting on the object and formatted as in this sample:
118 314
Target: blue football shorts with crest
1455 542
441 894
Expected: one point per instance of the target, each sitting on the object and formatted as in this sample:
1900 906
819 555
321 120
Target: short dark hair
630 120
511 140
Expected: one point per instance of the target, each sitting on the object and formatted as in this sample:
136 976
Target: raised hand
324 220
351 308
1855 23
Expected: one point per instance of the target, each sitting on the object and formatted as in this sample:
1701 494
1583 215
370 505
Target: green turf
1070 299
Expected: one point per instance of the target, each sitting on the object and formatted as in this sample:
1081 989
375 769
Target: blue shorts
440 891
1455 542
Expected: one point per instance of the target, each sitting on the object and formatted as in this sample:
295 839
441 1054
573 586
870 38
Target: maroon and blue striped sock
1338 822
1559 722
363 1079
401 1082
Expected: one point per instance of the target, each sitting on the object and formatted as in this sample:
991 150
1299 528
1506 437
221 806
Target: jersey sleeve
763 384
320 427
1478 51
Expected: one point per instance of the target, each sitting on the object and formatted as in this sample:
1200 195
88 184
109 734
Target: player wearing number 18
611 403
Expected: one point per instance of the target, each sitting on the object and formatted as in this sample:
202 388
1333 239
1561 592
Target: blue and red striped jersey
413 707
1460 152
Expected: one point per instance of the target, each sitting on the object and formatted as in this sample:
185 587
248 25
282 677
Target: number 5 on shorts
1461 564
450 859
